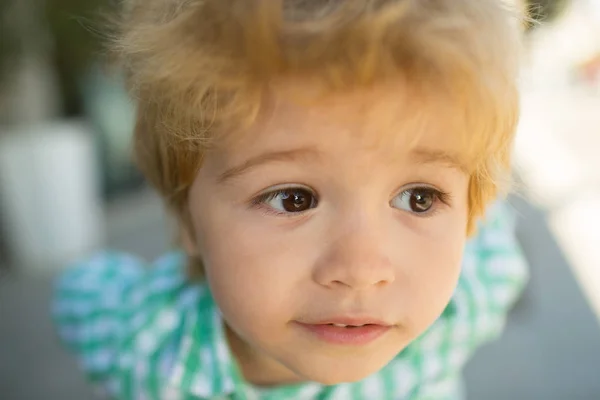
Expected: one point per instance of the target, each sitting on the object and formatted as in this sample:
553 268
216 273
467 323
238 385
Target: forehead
391 118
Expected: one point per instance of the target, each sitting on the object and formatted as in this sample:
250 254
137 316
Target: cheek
249 268
432 277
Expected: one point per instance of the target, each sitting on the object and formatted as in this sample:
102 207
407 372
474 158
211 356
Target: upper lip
355 321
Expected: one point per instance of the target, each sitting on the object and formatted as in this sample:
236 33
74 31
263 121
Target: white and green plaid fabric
148 333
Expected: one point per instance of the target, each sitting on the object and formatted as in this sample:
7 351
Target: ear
187 238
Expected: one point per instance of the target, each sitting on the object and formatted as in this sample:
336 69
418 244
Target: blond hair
198 69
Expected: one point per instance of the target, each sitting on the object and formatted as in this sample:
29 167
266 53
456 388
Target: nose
356 260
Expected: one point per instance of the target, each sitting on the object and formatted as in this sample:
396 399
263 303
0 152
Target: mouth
347 331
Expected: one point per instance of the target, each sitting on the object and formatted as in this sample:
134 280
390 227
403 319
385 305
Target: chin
336 374
332 367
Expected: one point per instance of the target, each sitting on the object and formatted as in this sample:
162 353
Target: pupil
296 201
421 201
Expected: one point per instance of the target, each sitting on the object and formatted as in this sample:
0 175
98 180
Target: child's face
331 213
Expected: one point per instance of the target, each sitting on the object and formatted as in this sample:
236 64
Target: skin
347 235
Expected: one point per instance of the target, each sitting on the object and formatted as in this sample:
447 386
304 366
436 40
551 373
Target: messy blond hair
199 68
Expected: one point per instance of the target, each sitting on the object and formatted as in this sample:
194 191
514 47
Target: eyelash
261 200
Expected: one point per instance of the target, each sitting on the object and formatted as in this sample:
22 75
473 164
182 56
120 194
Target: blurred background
67 187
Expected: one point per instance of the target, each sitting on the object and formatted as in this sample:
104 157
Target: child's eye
288 200
418 200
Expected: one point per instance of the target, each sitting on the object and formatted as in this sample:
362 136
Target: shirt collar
204 365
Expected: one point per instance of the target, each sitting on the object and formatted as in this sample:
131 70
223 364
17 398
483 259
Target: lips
350 321
347 331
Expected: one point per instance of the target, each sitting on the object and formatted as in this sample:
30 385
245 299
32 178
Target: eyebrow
430 156
418 155
305 153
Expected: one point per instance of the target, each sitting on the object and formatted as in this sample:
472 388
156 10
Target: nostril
339 283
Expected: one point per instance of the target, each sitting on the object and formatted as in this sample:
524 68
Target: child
327 161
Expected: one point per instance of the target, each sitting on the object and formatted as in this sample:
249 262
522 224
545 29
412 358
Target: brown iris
296 200
421 200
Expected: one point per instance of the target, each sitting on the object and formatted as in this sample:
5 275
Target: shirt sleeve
100 304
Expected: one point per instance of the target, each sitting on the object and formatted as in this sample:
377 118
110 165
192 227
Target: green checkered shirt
147 333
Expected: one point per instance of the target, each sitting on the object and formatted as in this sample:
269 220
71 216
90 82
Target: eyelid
284 186
417 185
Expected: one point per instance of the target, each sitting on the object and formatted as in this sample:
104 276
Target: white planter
49 194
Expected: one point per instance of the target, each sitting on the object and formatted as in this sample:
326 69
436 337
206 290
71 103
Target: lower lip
358 336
